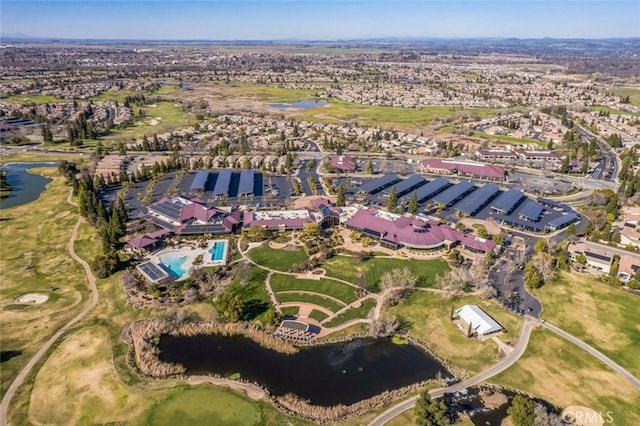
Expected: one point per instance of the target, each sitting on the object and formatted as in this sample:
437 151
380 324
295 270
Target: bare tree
452 283
397 283
384 327
544 263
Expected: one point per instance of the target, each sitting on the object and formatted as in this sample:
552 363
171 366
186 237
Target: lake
301 104
27 186
340 373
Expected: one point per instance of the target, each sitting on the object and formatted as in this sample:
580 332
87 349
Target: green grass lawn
345 268
427 314
632 92
290 310
254 293
352 313
607 318
613 110
335 289
272 94
160 117
339 110
505 138
202 404
279 260
563 374
315 299
34 99
318 315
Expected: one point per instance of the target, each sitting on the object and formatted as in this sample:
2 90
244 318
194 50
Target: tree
229 306
451 282
541 246
398 283
522 411
392 202
430 412
564 168
545 265
368 167
413 203
340 200
532 277
571 231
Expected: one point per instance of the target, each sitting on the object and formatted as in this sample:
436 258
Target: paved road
19 380
596 353
497 368
527 327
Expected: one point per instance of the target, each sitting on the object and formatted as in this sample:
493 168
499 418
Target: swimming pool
218 251
174 263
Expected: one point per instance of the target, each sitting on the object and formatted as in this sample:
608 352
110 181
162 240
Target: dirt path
20 378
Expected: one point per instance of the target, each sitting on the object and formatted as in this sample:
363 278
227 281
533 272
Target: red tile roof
343 162
463 167
415 232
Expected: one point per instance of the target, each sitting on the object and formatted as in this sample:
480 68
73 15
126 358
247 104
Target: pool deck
192 252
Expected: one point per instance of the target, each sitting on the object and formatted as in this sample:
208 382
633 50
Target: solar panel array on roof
167 209
432 188
478 200
527 226
203 229
152 271
562 221
377 185
455 193
548 202
245 187
407 185
531 211
200 181
222 184
598 256
161 223
507 201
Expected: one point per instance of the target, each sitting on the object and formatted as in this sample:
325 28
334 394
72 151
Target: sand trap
33 298
582 416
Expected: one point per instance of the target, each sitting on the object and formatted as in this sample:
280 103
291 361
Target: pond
339 373
26 187
301 104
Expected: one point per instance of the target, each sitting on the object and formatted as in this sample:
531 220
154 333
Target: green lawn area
315 299
339 110
352 313
290 310
335 289
563 374
607 318
279 260
632 92
318 315
427 314
613 110
35 99
254 293
505 138
160 117
345 268
272 94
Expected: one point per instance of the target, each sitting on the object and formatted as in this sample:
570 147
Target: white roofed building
481 323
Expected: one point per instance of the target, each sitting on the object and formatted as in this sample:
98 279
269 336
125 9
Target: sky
319 20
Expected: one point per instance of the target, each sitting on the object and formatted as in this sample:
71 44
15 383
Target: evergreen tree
413 203
340 200
430 412
522 411
392 202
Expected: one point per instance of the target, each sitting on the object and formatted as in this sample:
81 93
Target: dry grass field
563 374
37 234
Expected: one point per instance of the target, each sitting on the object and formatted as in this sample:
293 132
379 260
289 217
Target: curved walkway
20 378
596 353
499 367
